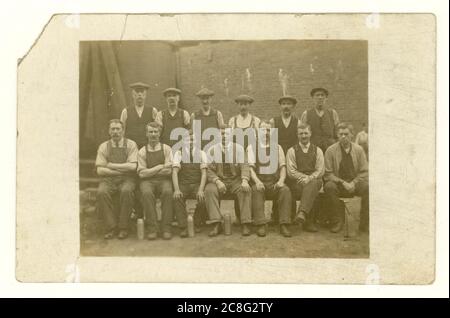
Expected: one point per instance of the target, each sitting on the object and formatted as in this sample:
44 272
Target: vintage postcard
240 148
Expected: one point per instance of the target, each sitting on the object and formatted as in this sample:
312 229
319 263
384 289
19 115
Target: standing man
172 117
228 178
346 175
244 119
208 116
286 123
116 165
136 117
323 120
305 167
155 170
189 179
269 186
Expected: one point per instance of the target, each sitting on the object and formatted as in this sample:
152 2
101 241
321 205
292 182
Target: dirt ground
302 244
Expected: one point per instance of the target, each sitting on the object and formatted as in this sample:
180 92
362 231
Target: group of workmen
139 165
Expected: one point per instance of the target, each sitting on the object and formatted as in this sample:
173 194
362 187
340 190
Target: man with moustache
155 171
116 165
269 185
244 119
286 123
346 175
207 115
189 179
323 120
305 167
173 117
228 178
136 117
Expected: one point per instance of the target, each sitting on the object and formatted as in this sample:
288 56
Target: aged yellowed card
336 210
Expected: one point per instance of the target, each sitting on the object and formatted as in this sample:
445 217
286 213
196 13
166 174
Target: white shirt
244 122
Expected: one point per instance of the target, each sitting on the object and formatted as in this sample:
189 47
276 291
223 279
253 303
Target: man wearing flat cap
208 116
286 123
172 117
244 119
323 120
137 116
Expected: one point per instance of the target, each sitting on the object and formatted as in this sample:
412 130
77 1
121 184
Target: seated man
305 167
155 169
228 178
116 165
189 179
346 175
269 185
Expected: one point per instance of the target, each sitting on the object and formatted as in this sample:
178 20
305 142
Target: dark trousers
280 196
334 190
307 195
188 190
244 199
151 190
108 187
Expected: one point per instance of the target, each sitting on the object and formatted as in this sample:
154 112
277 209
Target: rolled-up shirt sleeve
177 160
168 157
142 159
251 157
204 160
132 152
100 160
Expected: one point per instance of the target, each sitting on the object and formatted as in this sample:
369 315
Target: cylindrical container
140 229
190 225
227 224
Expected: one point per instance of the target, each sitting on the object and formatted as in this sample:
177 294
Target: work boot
109 235
285 231
152 236
215 231
167 235
245 230
337 227
311 226
123 234
300 218
261 232
184 233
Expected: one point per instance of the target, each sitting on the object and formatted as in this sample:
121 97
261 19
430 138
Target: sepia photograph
140 197
228 148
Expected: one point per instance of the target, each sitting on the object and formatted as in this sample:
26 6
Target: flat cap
318 89
172 90
287 97
244 98
139 85
204 92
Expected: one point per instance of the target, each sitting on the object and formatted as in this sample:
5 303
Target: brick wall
234 67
